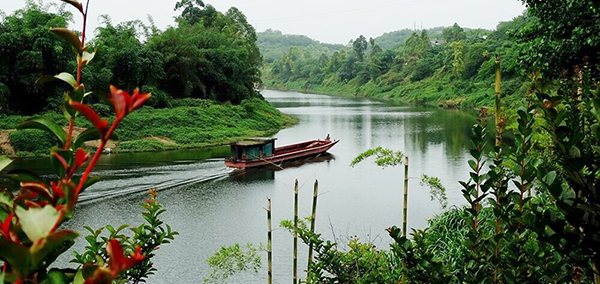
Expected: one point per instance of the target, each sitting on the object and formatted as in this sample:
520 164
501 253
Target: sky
329 21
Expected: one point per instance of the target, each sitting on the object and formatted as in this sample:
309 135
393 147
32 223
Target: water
212 206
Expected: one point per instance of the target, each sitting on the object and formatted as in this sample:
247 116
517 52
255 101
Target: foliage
383 157
148 237
28 49
273 44
436 189
209 55
561 35
454 33
33 141
30 235
531 213
362 263
232 260
419 67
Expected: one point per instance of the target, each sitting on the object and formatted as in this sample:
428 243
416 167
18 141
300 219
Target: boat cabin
253 148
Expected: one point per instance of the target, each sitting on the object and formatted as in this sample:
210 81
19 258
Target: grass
192 124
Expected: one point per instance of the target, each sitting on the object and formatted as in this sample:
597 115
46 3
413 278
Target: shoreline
156 130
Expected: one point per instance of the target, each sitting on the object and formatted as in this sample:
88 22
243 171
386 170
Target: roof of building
254 141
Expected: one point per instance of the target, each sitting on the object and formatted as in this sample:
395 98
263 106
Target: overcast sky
331 21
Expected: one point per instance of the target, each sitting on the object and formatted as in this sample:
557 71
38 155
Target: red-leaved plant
30 238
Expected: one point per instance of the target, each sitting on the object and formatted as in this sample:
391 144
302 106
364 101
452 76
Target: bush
34 141
191 102
143 145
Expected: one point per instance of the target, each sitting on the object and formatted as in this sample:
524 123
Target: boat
261 151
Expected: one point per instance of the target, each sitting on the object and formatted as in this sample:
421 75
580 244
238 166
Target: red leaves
5 228
125 103
91 115
80 158
117 263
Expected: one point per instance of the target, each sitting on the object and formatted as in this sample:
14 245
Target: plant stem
312 222
405 195
97 155
295 232
269 244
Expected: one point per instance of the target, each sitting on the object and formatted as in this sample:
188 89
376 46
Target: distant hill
273 44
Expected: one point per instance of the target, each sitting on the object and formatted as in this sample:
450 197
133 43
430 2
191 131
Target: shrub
143 145
32 140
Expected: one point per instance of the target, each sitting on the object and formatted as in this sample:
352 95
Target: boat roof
254 141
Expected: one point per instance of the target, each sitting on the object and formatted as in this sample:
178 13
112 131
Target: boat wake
114 183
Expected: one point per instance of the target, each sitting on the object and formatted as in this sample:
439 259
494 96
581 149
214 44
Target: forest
208 58
448 66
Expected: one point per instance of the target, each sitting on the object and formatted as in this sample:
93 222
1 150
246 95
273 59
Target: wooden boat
256 152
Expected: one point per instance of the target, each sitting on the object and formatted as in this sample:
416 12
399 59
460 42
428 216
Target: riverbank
440 91
198 124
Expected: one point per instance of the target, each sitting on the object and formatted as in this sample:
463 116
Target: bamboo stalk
295 232
405 195
405 211
498 107
269 243
312 222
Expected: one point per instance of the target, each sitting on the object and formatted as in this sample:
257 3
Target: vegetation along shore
202 78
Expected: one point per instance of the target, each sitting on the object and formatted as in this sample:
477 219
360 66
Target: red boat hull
285 153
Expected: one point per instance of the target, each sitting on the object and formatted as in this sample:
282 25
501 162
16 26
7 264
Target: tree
562 34
191 10
454 33
122 59
28 50
219 61
360 46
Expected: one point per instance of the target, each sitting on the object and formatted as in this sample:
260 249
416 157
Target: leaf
78 277
88 135
23 176
56 276
69 36
16 255
91 115
88 56
77 95
67 110
67 78
6 198
549 178
37 223
4 162
46 125
52 246
75 4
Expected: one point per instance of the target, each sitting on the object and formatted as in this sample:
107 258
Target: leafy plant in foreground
30 235
148 237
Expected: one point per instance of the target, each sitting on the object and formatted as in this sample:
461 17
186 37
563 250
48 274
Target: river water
212 206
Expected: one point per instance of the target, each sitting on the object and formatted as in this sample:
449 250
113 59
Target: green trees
215 58
122 59
29 50
435 66
454 33
563 33
209 55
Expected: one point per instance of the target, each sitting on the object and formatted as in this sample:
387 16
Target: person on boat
327 138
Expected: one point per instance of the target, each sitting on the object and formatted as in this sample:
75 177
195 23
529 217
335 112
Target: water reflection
212 206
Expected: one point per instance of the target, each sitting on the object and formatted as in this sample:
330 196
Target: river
212 206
